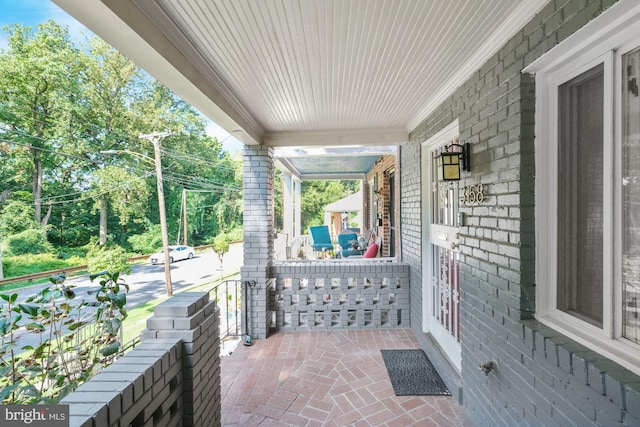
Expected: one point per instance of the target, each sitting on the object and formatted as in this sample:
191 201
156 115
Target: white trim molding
599 42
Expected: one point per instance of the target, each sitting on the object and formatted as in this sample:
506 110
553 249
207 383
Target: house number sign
471 194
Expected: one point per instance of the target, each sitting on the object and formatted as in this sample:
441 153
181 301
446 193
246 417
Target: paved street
146 282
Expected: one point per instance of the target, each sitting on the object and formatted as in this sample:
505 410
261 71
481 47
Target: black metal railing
228 298
128 346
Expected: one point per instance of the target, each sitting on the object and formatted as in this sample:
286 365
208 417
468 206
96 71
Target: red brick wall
382 170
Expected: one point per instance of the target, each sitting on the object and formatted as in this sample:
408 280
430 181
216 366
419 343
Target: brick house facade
543 377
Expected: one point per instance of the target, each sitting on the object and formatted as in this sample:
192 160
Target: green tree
63 104
20 234
31 241
15 161
16 216
229 208
211 177
221 247
38 88
109 85
317 194
126 193
111 82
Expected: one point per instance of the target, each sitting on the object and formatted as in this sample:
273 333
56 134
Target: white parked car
176 253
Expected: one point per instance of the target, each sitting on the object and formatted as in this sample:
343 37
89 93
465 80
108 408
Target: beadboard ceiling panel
276 68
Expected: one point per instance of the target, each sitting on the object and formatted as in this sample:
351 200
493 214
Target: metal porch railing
228 298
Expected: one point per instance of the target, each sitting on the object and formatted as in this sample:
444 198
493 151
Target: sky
34 12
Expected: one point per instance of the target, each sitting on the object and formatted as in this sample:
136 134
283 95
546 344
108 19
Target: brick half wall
172 378
340 295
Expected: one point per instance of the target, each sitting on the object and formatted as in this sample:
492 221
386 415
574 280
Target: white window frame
602 41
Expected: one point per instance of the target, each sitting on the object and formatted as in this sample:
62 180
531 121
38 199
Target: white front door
440 255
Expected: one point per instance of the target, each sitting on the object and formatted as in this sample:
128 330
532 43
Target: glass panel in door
441 285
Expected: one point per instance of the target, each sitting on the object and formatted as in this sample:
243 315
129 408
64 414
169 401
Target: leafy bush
17 216
70 349
235 235
147 242
70 253
108 258
31 241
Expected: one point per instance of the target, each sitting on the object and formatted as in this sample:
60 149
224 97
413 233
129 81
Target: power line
202 183
174 154
181 179
211 162
47 150
184 180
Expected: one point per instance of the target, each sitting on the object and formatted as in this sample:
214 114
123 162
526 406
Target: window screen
580 196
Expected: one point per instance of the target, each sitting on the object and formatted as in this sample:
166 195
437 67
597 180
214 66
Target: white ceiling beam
344 137
340 176
287 167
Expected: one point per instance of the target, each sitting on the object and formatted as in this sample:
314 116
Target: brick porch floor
333 378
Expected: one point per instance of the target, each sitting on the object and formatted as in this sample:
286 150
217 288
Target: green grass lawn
137 317
28 264
136 320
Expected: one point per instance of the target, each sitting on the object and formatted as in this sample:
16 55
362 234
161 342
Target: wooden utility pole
155 139
184 215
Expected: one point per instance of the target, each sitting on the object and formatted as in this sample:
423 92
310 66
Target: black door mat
412 374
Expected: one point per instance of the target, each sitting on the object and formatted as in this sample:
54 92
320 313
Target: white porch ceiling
309 72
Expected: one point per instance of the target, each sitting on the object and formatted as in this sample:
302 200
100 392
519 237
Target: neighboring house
344 213
532 259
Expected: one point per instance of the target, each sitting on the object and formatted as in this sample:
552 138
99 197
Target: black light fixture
449 162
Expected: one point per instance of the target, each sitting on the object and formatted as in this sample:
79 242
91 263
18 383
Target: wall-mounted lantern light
449 162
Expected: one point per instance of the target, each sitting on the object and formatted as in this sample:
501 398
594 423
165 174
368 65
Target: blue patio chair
347 239
321 239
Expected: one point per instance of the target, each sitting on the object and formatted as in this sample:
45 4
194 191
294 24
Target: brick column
191 317
258 236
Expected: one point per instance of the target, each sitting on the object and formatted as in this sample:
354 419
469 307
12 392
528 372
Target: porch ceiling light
449 162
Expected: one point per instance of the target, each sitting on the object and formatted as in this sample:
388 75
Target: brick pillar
191 317
258 236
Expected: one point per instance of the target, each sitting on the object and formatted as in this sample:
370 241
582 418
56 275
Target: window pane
580 196
631 195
